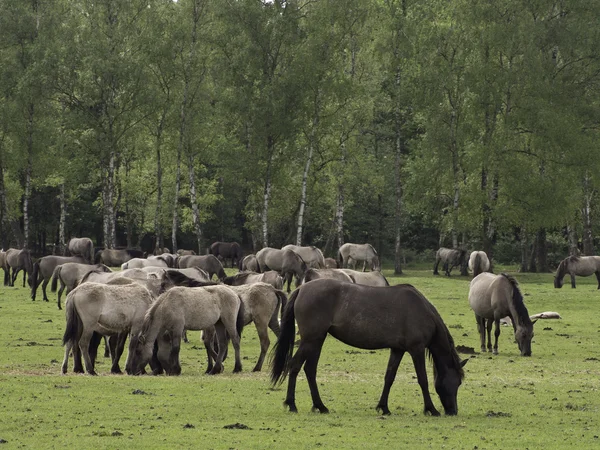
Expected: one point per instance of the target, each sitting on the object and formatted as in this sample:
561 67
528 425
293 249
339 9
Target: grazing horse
311 255
288 263
182 252
450 258
18 260
331 263
584 266
493 297
107 310
70 274
3 264
208 263
169 258
249 263
114 258
189 308
374 278
332 274
350 254
271 277
262 304
399 318
224 250
140 263
83 247
43 269
478 263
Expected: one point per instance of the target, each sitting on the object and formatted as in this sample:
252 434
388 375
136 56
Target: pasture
550 400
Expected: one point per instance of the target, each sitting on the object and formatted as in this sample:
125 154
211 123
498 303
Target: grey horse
70 274
83 247
43 269
286 262
350 254
311 255
209 263
18 260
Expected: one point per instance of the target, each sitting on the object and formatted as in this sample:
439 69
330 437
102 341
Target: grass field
548 401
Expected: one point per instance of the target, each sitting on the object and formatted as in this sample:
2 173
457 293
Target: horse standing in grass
350 254
288 263
249 263
583 266
227 250
18 260
493 297
83 247
374 278
311 255
70 274
450 258
478 263
399 318
209 263
43 269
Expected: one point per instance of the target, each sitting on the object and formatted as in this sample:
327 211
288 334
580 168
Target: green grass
550 400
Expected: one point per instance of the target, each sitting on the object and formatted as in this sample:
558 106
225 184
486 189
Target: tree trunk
62 221
586 214
267 193
110 238
158 241
28 170
542 251
524 242
573 239
339 213
300 223
398 192
194 201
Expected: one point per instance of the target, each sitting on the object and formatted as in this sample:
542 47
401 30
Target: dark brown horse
228 250
399 318
208 263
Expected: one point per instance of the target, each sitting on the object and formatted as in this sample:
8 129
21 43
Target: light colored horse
493 297
189 308
271 277
196 273
70 274
99 276
374 278
249 263
332 274
311 255
478 262
584 266
331 263
139 263
169 258
43 269
288 263
83 247
350 254
450 258
104 309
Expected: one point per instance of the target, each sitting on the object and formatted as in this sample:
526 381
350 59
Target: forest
408 124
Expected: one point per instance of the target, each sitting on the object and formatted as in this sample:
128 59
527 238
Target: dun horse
583 266
43 269
271 277
450 258
18 260
321 274
114 257
249 263
493 297
83 247
311 255
478 263
70 274
208 263
374 278
399 318
288 263
350 254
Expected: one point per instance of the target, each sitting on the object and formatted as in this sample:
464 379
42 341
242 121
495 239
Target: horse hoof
384 410
257 369
495 352
321 409
237 369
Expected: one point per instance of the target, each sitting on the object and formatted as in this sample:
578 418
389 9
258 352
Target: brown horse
18 260
208 263
288 263
227 250
399 318
584 266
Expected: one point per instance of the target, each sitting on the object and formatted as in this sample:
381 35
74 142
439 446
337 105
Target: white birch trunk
266 201
63 220
193 200
300 224
28 170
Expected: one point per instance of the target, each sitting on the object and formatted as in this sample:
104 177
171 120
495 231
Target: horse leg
573 280
84 347
263 336
155 365
310 370
597 277
295 366
60 291
364 265
435 267
481 330
119 347
222 340
185 338
274 323
65 364
390 375
24 277
288 279
419 363
497 335
107 349
14 276
94 343
174 354
44 284
489 322
208 338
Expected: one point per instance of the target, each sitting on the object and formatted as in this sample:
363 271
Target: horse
100 276
249 263
83 247
18 260
169 258
160 251
224 250
182 252
583 266
105 310
493 297
374 278
70 274
195 273
320 274
350 254
209 263
262 303
478 263
288 263
399 318
189 308
43 269
311 255
331 263
139 263
450 258
3 264
114 258
271 277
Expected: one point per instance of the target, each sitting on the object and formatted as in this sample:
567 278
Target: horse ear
464 362
533 322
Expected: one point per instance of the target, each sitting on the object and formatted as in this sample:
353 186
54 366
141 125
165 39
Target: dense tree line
407 124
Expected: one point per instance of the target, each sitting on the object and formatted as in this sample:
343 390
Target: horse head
523 336
447 382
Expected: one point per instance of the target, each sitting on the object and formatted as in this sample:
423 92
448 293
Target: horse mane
517 299
87 275
180 279
372 248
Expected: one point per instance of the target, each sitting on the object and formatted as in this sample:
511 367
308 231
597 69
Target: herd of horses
154 300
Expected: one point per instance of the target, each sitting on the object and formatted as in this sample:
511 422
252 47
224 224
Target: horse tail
477 265
282 300
55 276
98 257
34 279
281 354
239 323
221 273
73 323
340 259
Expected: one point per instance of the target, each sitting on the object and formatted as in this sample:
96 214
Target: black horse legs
310 353
390 375
490 323
497 335
419 363
310 370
